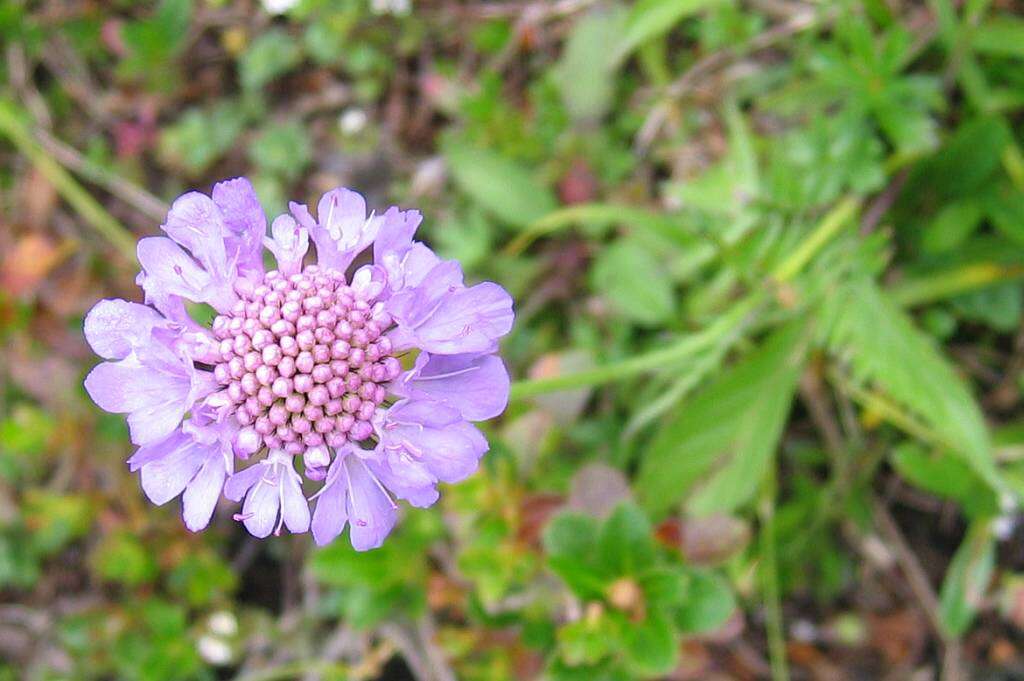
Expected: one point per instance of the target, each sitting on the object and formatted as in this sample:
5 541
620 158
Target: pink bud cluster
304 362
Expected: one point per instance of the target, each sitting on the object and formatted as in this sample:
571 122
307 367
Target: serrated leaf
635 282
885 348
652 18
967 579
735 424
498 184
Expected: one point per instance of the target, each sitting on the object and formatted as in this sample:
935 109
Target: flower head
370 375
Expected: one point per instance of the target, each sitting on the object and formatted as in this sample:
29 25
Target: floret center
304 361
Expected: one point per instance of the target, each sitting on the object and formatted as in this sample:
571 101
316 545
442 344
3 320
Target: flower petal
289 244
246 224
342 229
157 450
434 435
259 512
195 222
371 512
170 271
330 514
114 327
467 320
166 478
405 478
453 453
240 483
202 493
155 397
397 229
294 507
476 385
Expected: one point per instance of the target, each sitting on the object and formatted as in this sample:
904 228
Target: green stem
889 411
640 218
686 347
822 234
689 346
770 583
942 285
94 214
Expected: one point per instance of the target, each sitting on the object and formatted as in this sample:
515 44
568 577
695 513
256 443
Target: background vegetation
769 347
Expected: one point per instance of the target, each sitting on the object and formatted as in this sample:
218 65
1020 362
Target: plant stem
889 411
942 285
822 234
664 226
770 582
685 347
94 214
688 346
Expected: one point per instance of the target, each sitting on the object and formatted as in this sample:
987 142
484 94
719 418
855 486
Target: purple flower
371 376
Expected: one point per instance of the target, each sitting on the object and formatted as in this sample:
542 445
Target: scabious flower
371 375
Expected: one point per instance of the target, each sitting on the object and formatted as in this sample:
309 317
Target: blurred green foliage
767 258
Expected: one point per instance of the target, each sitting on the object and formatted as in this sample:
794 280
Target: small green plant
635 598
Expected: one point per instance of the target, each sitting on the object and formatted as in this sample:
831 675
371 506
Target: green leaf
55 519
282 150
952 226
466 238
635 282
1005 208
586 641
885 348
997 306
625 545
967 579
708 604
201 578
269 56
665 587
499 184
584 74
152 44
200 137
652 18
945 476
735 423
650 646
570 534
965 164
121 557
570 540
1001 35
